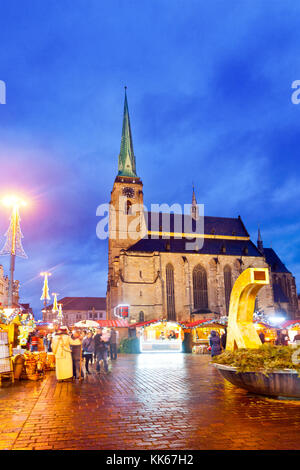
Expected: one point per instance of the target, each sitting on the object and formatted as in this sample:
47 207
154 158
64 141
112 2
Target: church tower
126 217
260 244
194 207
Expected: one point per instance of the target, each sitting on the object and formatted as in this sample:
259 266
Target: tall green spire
126 166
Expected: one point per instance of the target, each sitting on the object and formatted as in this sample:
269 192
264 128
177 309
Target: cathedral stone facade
156 272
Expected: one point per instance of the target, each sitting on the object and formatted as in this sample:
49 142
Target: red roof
143 323
195 323
288 323
114 323
81 303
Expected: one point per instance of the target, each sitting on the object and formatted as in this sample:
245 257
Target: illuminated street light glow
13 201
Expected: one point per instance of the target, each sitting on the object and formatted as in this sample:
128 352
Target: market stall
161 336
6 365
201 331
292 327
268 331
16 362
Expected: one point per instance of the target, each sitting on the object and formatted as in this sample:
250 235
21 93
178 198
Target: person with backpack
101 350
88 348
215 344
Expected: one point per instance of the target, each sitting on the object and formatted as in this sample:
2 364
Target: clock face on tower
129 192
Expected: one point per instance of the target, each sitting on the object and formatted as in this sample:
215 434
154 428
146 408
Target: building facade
156 273
76 309
4 287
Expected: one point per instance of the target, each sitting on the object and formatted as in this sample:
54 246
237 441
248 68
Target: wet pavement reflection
148 401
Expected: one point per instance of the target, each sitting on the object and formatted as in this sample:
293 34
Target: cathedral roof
274 261
212 225
211 246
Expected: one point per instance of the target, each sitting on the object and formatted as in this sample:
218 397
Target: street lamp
13 244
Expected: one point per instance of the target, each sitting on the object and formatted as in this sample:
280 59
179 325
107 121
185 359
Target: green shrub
265 359
129 346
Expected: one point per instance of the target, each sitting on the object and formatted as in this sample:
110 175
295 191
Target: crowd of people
75 352
217 344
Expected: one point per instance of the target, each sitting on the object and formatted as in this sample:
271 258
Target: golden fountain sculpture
241 332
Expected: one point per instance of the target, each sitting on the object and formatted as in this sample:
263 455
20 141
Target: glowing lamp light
13 201
8 312
276 320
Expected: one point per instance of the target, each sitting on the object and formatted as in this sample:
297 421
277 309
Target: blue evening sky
209 92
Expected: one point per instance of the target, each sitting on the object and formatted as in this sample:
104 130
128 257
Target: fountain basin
278 383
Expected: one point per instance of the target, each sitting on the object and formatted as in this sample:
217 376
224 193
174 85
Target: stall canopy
290 323
113 323
143 323
205 323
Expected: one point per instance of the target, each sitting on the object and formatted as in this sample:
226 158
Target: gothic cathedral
154 274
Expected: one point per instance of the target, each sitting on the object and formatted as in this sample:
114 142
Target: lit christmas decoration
45 294
13 244
60 314
55 308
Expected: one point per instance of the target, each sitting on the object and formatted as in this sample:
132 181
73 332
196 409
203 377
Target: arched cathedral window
141 316
170 292
228 286
128 207
200 287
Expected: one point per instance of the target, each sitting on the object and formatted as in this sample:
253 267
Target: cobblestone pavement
148 401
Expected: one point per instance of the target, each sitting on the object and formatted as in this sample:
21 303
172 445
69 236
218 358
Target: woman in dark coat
215 343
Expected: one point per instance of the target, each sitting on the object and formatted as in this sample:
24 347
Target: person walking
34 342
262 337
63 358
215 343
284 338
88 347
224 340
101 348
113 344
297 337
76 348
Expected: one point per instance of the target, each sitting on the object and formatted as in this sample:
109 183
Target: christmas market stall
268 331
120 325
15 328
200 332
6 365
160 336
292 327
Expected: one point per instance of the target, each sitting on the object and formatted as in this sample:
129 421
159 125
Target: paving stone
159 401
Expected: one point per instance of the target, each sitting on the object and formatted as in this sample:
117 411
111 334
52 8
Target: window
170 292
228 286
90 315
100 315
128 207
95 315
200 288
141 317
